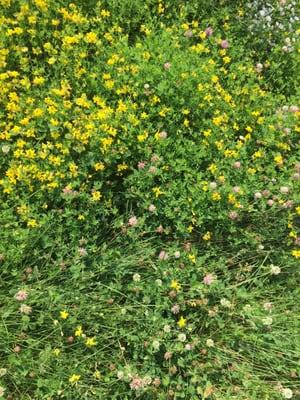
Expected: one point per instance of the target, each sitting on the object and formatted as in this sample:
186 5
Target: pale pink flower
236 189
288 204
266 193
175 309
160 229
294 109
154 158
137 383
156 382
17 349
237 164
188 33
163 134
163 255
177 254
132 221
141 165
21 295
270 202
233 215
167 66
168 355
82 251
208 279
152 208
267 306
224 44
69 192
152 169
209 31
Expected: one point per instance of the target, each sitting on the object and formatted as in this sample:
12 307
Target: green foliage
149 200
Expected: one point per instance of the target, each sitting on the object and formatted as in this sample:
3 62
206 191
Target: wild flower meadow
150 178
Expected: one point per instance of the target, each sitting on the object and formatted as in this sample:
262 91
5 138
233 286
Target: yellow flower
38 80
56 352
157 191
202 35
51 60
192 258
96 195
32 223
296 253
207 236
90 342
298 210
74 378
216 196
122 167
212 168
64 314
91 37
190 228
79 331
182 322
278 159
175 285
105 13
97 375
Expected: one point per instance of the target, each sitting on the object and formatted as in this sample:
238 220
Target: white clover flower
225 303
247 308
182 337
147 380
210 343
5 148
120 374
274 269
156 344
136 277
177 254
267 321
287 393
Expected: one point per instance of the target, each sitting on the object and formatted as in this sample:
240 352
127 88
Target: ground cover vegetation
149 180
